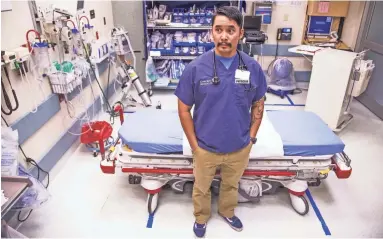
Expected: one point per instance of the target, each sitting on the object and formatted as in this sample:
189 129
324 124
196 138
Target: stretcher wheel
152 203
299 204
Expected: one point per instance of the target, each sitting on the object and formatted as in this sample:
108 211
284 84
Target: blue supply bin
178 15
164 52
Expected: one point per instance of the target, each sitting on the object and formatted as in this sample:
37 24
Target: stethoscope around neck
241 66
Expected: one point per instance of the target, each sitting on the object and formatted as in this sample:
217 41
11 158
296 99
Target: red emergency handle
190 171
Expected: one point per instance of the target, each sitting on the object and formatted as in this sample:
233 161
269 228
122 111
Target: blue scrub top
221 114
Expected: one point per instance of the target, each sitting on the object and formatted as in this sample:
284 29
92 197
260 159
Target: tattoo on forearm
257 111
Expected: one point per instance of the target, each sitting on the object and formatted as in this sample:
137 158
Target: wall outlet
92 14
286 17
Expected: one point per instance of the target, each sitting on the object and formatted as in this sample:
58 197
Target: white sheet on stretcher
269 142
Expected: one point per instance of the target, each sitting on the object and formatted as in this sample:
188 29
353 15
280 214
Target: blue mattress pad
159 131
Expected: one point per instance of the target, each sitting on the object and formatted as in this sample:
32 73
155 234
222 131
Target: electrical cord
34 163
31 161
276 50
6 97
107 92
297 91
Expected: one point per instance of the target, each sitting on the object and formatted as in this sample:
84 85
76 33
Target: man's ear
241 33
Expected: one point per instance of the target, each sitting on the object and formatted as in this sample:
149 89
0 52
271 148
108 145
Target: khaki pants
231 166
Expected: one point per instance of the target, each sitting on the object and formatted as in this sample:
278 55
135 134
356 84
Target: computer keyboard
308 48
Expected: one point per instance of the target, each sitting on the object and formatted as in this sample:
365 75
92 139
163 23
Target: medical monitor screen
320 25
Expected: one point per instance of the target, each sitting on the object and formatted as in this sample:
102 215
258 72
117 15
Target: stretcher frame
296 173
153 171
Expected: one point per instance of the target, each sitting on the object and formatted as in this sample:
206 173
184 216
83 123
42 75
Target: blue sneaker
234 223
199 229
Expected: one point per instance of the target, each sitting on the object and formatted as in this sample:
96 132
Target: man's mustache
224 44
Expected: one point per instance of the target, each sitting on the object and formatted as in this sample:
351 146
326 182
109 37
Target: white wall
352 23
14 25
42 140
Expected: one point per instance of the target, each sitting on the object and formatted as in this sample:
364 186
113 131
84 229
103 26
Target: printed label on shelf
155 53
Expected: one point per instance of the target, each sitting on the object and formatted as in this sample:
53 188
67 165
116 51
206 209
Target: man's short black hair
230 12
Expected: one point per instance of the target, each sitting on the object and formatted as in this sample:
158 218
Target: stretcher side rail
137 161
181 156
340 163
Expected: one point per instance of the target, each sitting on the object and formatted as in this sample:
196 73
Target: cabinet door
129 14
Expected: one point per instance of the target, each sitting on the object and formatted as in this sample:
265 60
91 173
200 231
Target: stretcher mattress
159 131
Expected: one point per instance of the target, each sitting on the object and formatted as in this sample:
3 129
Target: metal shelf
174 57
181 27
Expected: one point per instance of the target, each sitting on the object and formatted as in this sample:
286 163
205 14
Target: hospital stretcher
152 152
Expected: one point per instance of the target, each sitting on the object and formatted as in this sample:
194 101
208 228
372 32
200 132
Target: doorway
371 37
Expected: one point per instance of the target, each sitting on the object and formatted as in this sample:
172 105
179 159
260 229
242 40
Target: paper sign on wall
6 6
323 7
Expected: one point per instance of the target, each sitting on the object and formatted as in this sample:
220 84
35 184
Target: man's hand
187 124
256 116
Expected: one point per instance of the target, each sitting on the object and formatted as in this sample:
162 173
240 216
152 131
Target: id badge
242 77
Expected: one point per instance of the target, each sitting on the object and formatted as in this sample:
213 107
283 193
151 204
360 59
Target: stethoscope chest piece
215 80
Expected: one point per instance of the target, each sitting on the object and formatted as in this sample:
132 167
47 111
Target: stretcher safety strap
149 224
317 212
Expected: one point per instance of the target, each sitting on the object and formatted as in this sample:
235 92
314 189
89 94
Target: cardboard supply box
328 8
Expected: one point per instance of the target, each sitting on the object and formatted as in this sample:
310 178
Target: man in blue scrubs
226 88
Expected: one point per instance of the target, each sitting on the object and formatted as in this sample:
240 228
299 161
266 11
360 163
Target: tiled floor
87 203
